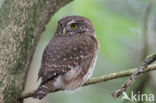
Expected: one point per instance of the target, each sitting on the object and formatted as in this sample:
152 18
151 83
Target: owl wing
64 54
59 57
51 69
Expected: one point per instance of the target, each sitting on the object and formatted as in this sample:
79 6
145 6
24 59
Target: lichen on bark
21 23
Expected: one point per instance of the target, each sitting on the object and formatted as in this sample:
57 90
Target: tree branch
140 83
21 24
107 77
148 60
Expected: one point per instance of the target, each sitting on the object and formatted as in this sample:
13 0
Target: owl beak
64 31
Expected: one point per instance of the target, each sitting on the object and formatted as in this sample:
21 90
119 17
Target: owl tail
44 89
41 92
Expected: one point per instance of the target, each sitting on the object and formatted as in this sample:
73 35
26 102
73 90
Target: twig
107 77
140 83
148 60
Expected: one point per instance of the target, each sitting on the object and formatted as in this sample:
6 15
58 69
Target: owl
69 58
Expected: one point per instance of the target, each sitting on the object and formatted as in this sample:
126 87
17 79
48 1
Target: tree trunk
21 23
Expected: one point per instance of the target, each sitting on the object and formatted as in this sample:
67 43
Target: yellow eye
74 26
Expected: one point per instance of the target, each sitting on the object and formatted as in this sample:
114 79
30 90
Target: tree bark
21 23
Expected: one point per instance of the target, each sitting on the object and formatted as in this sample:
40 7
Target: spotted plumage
69 58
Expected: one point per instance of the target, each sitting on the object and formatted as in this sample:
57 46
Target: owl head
74 25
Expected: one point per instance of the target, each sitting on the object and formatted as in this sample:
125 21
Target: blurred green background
119 28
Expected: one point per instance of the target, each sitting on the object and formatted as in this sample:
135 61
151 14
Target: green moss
21 22
11 92
1 83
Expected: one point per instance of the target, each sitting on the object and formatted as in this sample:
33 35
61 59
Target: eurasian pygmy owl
69 58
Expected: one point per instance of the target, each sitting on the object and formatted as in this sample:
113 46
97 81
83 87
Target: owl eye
74 26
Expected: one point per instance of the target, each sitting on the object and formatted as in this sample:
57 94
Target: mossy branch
111 76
